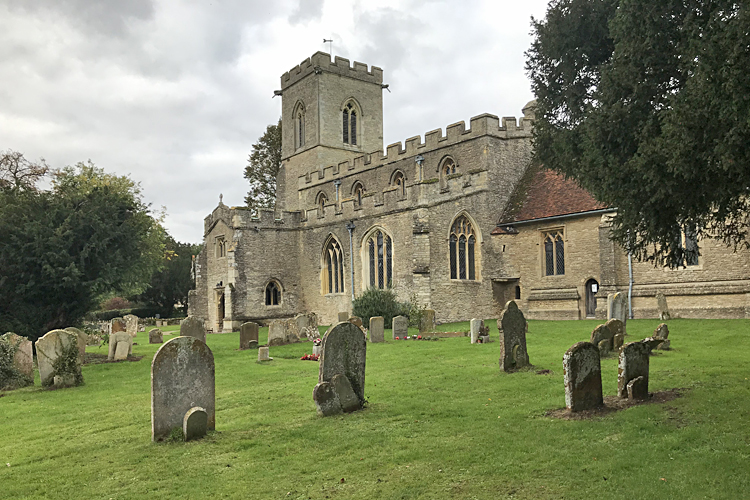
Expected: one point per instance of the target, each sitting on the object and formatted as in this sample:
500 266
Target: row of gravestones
582 372
60 355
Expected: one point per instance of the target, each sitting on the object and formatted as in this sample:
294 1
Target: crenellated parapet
245 218
483 125
320 61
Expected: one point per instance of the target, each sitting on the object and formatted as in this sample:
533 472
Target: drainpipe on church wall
630 286
350 226
337 183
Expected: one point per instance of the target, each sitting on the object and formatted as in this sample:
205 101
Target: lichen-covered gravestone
57 358
377 329
582 373
661 304
616 327
512 328
344 353
617 307
131 324
182 378
155 336
427 324
476 326
82 339
193 327
249 335
633 363
602 334
282 331
16 362
400 326
356 320
117 325
120 346
662 333
305 322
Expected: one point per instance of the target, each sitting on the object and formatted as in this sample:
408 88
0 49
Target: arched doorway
592 288
220 313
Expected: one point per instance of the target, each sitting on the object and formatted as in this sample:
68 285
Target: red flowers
310 357
397 338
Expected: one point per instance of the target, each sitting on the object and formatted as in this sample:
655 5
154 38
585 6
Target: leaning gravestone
193 327
343 316
117 325
377 329
120 346
662 333
16 362
617 307
57 358
582 373
427 324
400 327
344 353
512 328
633 363
248 335
661 304
602 333
81 339
155 336
131 324
476 329
182 378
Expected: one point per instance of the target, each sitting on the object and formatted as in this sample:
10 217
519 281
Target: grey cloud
306 11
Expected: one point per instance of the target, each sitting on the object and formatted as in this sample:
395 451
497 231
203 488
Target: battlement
479 126
320 61
244 218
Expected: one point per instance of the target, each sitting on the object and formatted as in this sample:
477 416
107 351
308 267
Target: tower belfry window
349 116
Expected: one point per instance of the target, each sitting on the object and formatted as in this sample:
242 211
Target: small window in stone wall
554 252
221 247
399 181
349 116
358 190
518 292
462 243
273 294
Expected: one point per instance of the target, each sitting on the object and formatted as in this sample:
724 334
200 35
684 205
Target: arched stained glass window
273 294
554 252
333 267
378 246
349 124
462 250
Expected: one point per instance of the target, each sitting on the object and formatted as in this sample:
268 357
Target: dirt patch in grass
93 358
613 404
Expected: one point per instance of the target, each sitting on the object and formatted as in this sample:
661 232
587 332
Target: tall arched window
358 190
350 116
399 181
554 252
299 125
377 259
333 267
447 167
462 249
273 293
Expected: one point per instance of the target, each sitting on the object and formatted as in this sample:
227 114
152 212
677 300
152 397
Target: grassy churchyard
442 422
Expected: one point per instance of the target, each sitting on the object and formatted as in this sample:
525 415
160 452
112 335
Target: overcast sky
174 93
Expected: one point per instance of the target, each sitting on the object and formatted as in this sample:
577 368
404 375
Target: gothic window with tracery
448 167
358 190
349 116
378 249
554 252
299 127
221 247
462 249
273 294
333 267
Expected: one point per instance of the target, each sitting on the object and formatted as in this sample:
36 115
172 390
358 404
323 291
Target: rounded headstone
193 327
57 359
195 423
344 352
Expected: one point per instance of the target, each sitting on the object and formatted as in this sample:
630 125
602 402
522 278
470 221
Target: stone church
463 221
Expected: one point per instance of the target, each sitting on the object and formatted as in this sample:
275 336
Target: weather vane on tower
330 45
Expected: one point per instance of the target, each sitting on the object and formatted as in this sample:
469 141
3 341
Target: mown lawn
442 422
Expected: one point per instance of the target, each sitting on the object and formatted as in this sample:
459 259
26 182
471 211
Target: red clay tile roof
543 193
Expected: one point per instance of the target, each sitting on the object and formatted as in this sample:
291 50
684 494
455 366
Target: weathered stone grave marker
182 379
377 329
661 304
249 335
582 373
400 327
117 325
131 324
193 327
427 324
263 354
476 326
155 336
602 338
344 353
662 333
512 328
57 358
195 423
356 320
120 346
81 339
633 363
16 362
343 316
617 307
305 322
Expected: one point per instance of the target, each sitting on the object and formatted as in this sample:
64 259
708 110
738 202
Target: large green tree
262 167
647 105
62 249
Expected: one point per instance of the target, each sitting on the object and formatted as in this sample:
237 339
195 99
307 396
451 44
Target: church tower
331 112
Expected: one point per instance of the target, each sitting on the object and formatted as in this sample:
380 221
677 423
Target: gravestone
343 316
661 304
476 329
427 324
617 307
81 339
638 388
182 378
304 322
633 363
16 362
195 423
356 320
661 332
117 325
120 346
400 326
617 341
377 329
344 353
582 373
155 336
512 328
604 348
57 359
131 324
277 332
248 335
616 327
193 327
317 350
263 354
602 333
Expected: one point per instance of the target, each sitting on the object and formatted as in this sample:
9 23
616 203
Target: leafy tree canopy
62 249
647 105
262 168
